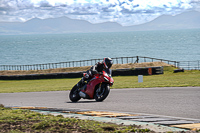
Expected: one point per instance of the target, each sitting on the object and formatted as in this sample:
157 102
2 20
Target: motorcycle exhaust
82 94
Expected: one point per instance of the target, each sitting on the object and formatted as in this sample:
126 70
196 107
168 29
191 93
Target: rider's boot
82 92
84 87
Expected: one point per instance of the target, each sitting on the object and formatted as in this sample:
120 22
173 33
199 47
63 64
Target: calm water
178 45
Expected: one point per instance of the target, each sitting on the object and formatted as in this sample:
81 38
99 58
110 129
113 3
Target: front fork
101 90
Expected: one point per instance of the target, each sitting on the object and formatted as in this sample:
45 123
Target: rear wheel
101 92
74 94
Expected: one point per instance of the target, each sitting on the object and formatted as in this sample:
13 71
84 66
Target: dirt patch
78 69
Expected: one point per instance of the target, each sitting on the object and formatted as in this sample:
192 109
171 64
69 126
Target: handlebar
101 73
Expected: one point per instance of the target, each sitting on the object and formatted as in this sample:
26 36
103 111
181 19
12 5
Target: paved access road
173 101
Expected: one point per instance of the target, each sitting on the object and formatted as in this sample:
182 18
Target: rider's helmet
107 62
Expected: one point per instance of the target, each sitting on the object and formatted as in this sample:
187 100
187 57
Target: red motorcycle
97 88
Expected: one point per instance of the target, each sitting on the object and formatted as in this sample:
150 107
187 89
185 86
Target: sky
124 12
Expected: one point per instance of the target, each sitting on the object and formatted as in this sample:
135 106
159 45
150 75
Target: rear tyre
101 93
74 94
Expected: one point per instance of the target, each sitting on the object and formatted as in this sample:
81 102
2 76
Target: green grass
11 86
168 79
17 121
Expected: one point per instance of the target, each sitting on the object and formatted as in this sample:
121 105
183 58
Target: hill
186 20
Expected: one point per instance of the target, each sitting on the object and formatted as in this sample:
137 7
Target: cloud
125 12
196 4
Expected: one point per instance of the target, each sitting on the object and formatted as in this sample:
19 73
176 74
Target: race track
174 101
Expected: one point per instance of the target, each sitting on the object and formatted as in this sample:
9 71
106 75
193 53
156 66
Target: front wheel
101 92
74 94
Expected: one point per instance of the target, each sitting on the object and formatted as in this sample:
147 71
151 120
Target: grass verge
17 121
168 79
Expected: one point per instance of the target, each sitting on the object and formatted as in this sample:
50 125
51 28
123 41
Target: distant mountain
57 25
186 20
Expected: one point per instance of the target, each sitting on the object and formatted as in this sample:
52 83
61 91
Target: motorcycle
97 88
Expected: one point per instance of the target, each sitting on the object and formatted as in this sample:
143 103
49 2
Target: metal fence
117 60
189 65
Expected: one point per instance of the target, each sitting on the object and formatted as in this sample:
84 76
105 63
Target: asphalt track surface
181 102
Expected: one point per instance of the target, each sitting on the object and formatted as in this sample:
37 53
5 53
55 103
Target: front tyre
74 94
101 92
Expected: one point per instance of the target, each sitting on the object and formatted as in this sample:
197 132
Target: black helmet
107 62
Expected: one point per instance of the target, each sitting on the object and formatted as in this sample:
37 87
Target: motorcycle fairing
91 87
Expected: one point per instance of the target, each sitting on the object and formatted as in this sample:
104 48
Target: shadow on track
83 102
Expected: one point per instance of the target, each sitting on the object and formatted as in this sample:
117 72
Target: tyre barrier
178 70
116 72
138 71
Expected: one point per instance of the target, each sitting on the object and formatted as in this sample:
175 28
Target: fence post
81 63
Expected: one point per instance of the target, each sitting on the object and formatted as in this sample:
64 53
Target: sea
176 45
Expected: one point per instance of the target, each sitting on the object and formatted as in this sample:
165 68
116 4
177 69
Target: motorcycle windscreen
108 71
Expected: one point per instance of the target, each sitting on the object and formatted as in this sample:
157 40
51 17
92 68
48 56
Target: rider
97 68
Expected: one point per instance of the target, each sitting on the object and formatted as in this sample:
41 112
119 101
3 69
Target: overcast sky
125 12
